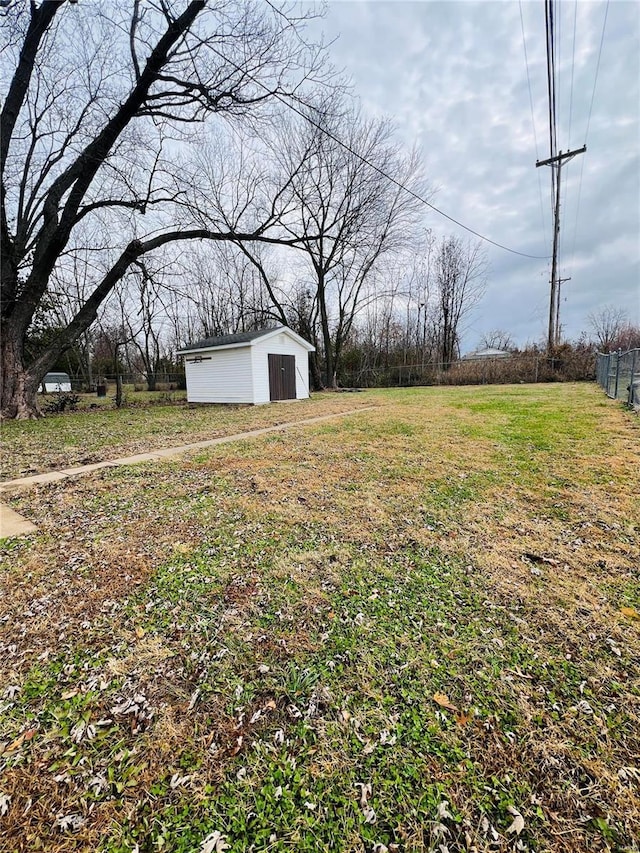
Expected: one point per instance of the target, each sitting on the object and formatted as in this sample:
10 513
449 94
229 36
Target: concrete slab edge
12 524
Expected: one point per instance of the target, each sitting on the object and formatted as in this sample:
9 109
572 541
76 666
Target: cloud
453 78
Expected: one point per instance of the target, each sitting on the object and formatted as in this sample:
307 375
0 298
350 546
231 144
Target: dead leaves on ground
27 735
97 582
537 558
443 701
630 612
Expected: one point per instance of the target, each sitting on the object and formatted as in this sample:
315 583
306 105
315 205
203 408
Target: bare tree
143 313
497 339
417 289
226 290
349 215
109 347
628 337
607 325
95 101
460 273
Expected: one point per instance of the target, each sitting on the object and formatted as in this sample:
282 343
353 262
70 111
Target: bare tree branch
82 145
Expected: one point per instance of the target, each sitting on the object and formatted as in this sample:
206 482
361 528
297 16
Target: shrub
62 402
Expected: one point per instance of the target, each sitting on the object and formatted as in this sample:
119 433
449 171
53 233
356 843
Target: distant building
54 382
250 367
491 352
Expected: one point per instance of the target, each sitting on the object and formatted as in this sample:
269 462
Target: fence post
615 396
609 374
633 372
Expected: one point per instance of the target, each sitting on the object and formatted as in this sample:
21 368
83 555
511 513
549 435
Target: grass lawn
414 628
84 437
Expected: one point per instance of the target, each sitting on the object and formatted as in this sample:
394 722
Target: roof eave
269 333
219 347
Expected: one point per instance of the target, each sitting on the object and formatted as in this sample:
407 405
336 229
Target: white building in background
54 382
249 367
491 352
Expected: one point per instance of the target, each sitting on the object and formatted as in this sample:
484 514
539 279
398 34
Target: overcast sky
453 77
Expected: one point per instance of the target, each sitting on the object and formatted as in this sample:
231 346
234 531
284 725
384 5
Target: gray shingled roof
225 340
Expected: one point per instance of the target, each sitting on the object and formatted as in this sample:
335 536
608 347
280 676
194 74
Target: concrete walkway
12 524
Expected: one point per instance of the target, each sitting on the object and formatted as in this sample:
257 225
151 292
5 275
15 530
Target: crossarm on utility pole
561 156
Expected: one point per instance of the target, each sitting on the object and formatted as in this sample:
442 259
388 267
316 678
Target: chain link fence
137 381
514 368
619 374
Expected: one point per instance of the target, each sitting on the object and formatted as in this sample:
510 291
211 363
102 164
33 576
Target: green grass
87 436
295 613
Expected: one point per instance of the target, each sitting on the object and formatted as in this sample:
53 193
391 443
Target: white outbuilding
55 382
489 353
249 367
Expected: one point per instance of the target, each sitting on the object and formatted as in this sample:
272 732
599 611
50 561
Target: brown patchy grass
87 437
526 498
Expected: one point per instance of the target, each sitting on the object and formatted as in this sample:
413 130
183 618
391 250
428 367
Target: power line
551 78
533 121
559 190
575 226
526 62
595 81
593 94
371 165
564 189
573 64
558 54
551 92
563 234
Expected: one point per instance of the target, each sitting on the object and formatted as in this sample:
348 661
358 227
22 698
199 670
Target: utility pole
554 307
560 280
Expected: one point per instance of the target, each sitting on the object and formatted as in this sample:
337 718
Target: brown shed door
282 377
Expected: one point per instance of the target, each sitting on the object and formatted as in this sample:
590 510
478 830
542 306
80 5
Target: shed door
282 377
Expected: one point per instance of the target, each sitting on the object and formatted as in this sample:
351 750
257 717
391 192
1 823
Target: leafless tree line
174 171
613 330
400 312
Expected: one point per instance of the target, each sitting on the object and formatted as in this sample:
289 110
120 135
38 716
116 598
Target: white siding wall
280 344
226 378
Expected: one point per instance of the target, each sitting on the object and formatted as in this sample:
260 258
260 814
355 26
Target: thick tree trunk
119 397
316 374
18 386
329 367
